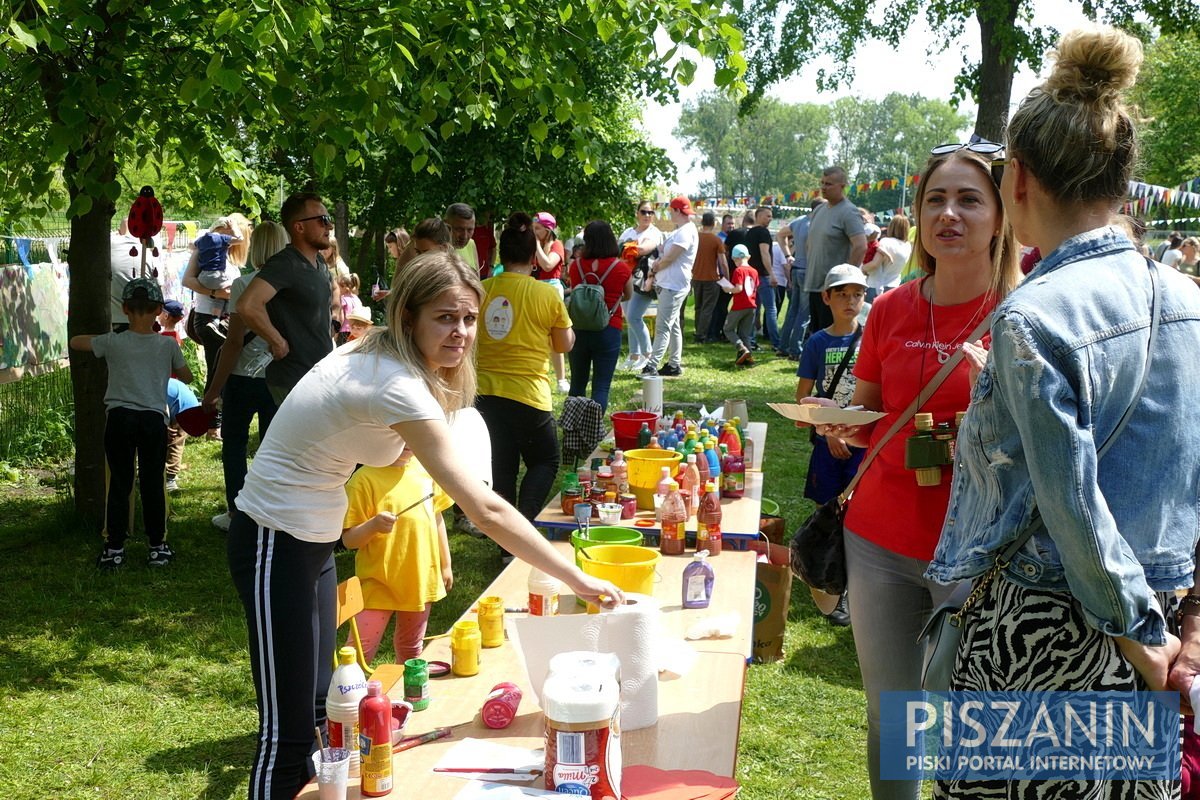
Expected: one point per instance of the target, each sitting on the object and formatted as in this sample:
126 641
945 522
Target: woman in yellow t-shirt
522 321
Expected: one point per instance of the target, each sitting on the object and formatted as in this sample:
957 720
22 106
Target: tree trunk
996 67
88 313
341 229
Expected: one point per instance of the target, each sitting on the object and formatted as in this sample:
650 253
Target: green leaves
22 35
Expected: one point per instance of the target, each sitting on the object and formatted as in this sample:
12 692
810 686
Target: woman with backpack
596 311
521 322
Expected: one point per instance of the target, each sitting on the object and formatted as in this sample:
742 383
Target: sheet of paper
487 754
483 790
823 415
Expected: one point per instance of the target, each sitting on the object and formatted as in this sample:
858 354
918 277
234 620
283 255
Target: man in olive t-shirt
836 235
288 302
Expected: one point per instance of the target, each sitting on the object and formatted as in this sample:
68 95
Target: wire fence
37 419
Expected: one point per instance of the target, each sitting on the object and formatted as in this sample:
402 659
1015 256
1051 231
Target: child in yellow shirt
394 520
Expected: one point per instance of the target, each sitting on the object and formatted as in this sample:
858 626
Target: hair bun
1094 64
518 221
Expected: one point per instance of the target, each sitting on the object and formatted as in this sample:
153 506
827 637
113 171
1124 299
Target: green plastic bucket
770 508
604 534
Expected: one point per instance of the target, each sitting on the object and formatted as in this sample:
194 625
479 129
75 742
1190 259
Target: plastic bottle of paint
698 582
708 521
346 688
644 435
714 463
674 522
375 738
543 594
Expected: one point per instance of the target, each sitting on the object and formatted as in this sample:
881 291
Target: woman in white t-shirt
362 404
649 238
883 271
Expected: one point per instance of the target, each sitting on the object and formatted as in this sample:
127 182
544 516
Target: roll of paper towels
652 394
630 632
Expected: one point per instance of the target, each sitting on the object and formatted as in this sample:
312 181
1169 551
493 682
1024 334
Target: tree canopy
784 36
311 89
1167 101
778 148
769 150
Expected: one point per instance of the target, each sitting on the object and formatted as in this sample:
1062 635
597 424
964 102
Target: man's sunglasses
325 219
645 212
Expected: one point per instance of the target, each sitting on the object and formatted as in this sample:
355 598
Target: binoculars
931 447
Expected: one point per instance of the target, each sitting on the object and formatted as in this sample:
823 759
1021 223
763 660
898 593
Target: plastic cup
332 765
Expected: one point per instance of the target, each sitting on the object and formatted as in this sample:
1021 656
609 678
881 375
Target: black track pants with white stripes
289 590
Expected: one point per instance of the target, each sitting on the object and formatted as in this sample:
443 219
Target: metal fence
37 418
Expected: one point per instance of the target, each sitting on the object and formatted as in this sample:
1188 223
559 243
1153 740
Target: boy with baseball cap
827 370
739 322
140 362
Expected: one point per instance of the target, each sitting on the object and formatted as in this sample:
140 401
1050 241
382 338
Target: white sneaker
222 521
627 364
636 363
564 385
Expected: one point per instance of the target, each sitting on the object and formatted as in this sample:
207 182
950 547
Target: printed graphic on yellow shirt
498 317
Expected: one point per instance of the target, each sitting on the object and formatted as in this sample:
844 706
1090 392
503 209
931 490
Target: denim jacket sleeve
1043 391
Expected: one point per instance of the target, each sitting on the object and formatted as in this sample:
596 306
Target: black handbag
943 633
818 552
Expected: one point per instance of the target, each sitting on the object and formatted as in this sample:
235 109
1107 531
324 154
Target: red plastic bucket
627 424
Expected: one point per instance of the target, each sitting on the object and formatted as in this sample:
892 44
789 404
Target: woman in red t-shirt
969 258
595 353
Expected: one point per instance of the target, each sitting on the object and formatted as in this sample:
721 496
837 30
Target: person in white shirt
672 275
364 403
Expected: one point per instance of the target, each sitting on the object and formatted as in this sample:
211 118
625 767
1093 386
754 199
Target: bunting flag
1144 199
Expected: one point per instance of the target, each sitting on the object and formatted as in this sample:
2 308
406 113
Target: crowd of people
1085 355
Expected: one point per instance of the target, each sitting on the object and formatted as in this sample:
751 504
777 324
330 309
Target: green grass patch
138 684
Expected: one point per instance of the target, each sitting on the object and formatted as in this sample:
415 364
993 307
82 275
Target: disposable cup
332 765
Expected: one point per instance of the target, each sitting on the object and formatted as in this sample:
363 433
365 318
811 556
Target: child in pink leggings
394 520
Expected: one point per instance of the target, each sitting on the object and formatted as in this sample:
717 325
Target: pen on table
491 770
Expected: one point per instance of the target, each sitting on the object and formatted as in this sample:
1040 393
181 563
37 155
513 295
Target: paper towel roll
652 394
631 632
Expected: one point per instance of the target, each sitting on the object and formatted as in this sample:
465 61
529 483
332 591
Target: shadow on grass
224 761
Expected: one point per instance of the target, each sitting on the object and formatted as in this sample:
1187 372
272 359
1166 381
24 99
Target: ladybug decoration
145 221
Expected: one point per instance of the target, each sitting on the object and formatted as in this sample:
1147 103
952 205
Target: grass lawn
137 685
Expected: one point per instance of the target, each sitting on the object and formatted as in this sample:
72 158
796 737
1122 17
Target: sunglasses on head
981 146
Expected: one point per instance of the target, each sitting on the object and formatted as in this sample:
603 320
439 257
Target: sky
879 71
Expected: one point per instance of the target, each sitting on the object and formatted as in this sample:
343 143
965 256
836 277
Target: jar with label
416 683
583 730
628 506
490 612
464 648
569 498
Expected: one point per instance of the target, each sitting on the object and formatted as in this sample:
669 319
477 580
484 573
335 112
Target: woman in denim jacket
1076 610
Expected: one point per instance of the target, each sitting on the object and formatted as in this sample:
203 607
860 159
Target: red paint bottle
375 741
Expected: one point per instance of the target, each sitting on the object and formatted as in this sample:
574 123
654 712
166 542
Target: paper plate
824 415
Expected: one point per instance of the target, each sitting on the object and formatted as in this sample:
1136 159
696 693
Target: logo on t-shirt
498 317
